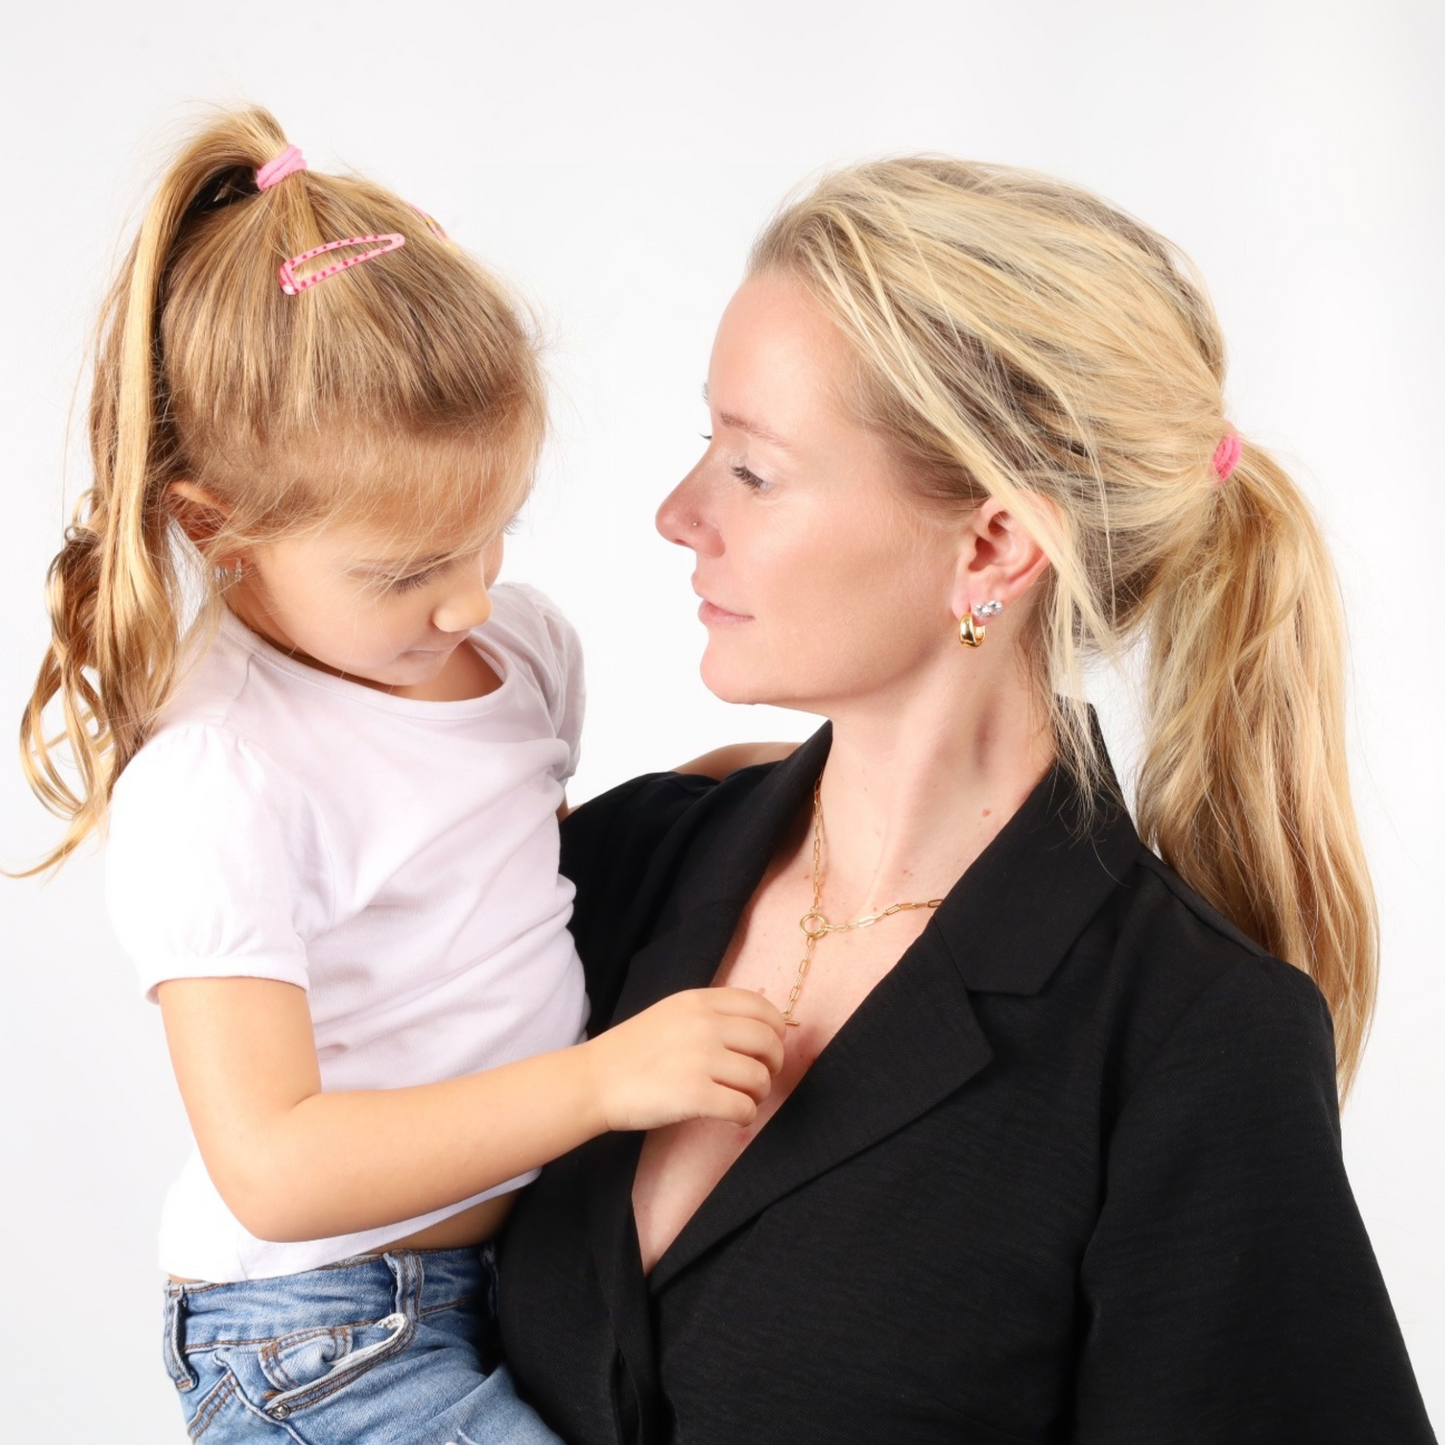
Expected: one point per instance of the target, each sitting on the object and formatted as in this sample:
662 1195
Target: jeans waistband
407 1282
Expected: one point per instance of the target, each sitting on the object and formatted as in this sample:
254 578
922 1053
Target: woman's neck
913 792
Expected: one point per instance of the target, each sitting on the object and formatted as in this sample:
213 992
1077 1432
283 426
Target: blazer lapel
912 1043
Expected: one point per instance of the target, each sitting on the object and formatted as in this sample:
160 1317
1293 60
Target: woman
1054 1152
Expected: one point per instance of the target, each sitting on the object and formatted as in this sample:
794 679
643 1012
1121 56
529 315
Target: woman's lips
714 616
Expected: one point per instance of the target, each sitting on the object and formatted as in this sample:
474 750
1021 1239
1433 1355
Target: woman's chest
681 1165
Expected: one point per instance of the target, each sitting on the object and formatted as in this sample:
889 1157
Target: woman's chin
728 682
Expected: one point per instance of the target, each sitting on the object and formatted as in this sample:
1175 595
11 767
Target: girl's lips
714 616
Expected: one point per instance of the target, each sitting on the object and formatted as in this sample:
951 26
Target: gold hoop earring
969 631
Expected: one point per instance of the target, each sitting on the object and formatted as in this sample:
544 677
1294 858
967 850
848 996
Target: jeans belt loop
173 1348
406 1270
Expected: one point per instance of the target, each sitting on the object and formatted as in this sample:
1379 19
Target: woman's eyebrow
756 429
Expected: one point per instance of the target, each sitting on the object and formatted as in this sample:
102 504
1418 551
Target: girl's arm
292 1162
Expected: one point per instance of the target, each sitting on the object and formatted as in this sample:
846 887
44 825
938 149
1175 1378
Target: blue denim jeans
390 1349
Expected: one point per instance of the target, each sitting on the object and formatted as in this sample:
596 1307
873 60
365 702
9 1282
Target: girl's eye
746 477
705 435
405 584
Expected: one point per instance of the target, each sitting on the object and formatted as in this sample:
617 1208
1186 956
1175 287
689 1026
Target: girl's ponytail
1243 787
113 595
288 408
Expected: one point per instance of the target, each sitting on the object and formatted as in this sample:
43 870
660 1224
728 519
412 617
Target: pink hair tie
293 285
273 172
1226 456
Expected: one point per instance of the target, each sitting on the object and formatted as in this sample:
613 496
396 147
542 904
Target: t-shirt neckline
266 652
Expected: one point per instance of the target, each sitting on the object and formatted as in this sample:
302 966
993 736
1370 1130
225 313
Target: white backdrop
614 162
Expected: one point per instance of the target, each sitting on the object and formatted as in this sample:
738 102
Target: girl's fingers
731 1106
755 1039
746 1003
744 1075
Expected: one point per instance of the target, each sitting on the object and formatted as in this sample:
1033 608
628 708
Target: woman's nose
680 517
466 605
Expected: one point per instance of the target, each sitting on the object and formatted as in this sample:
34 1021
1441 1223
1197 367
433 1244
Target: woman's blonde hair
1022 339
404 392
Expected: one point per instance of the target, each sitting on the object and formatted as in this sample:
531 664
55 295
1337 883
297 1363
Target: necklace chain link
814 922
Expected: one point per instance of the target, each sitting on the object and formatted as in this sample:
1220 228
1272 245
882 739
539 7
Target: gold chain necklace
814 922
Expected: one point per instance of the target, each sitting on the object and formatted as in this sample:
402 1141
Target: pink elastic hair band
1226 456
289 161
293 285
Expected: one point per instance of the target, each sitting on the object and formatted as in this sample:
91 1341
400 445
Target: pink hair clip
273 172
1226 456
293 285
435 226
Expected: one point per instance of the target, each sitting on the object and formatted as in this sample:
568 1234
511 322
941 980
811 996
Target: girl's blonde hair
1022 339
404 392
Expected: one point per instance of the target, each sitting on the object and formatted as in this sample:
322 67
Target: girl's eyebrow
400 564
738 423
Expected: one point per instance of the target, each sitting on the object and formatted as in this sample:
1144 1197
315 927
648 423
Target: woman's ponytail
1243 788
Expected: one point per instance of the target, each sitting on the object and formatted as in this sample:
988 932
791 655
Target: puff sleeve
556 655
215 866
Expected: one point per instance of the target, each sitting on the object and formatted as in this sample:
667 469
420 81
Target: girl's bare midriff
473 1226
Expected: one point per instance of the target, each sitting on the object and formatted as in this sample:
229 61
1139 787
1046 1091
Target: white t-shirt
395 858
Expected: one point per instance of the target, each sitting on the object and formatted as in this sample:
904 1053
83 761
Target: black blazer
1071 1172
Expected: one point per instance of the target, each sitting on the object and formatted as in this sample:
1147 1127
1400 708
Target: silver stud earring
969 632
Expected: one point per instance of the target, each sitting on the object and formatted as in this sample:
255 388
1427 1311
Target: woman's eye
746 477
705 435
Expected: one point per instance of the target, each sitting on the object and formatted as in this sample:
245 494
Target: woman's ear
200 512
999 559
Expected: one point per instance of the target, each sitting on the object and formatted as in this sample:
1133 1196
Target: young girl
331 750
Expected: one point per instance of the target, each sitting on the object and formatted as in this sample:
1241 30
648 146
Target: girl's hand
707 1053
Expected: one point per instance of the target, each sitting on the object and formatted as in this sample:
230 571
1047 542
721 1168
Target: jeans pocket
310 1366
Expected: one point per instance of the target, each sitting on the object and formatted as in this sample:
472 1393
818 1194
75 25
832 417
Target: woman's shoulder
620 833
613 841
624 851
1193 996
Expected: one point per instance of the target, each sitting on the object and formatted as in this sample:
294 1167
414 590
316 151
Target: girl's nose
466 605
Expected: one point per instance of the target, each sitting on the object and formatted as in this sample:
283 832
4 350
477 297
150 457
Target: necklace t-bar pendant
814 923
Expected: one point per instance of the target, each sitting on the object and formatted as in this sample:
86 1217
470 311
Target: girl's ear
200 512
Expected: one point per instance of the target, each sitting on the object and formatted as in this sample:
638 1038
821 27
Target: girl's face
346 601
821 579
